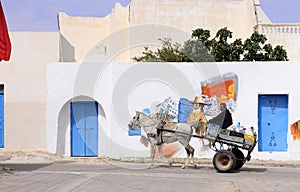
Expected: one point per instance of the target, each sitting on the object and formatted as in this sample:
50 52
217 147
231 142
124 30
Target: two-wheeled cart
229 146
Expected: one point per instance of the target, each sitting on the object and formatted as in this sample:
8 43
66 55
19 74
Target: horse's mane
159 118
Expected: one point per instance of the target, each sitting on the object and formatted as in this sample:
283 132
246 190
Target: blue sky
41 15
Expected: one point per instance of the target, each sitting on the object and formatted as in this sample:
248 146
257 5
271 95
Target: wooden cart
229 147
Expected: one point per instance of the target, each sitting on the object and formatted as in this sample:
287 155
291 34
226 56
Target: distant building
242 17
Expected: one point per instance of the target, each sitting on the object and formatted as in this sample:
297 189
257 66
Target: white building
264 89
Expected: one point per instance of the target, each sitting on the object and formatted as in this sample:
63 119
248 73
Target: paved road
116 176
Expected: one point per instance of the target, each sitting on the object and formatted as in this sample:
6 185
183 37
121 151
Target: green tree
253 47
169 52
202 35
256 49
221 49
200 48
278 54
196 51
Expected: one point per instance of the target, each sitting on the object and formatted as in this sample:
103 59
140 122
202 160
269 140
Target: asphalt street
129 176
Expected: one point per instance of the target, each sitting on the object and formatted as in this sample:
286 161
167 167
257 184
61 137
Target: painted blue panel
273 122
146 111
137 132
1 119
91 128
184 109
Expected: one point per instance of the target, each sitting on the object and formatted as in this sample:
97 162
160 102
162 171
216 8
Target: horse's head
135 122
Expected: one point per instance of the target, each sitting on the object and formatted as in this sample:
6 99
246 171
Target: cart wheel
240 158
224 161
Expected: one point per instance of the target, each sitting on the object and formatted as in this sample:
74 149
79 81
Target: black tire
224 161
240 158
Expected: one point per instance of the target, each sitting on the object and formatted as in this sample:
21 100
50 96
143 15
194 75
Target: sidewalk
37 157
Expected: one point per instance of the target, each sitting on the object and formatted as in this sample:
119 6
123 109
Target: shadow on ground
253 169
19 167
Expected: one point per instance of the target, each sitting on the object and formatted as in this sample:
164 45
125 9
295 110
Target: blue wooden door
84 129
1 119
272 122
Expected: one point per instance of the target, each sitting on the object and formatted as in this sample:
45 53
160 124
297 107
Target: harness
158 134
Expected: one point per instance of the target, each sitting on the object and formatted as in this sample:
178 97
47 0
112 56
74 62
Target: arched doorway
77 128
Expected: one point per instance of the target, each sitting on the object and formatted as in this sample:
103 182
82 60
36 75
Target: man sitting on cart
223 119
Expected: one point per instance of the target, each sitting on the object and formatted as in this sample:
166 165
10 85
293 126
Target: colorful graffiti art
295 130
220 89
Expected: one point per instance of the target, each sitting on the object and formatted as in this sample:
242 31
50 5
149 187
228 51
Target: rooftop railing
278 28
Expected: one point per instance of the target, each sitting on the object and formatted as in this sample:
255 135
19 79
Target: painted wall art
295 130
220 89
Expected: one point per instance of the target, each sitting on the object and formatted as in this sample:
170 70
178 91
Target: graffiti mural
220 89
295 130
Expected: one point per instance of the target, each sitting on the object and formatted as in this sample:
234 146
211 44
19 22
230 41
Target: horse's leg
160 151
190 155
192 150
186 160
153 148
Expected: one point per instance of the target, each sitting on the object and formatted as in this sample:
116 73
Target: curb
42 157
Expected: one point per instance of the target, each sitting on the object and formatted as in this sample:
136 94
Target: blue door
272 122
84 129
1 119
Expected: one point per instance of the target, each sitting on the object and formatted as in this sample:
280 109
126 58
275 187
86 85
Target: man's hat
198 100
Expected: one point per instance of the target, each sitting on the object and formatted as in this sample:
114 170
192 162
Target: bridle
136 121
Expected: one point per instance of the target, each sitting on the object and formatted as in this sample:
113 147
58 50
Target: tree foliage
169 52
201 48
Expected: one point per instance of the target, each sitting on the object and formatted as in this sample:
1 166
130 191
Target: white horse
182 133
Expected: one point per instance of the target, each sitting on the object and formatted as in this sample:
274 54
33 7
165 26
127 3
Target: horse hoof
195 165
150 166
183 167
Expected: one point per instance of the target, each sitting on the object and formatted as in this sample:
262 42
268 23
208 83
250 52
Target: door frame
2 113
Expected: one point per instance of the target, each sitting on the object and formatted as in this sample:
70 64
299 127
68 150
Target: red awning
5 46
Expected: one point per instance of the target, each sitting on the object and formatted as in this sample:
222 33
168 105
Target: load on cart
228 140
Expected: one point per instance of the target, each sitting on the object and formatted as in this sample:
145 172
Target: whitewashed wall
122 88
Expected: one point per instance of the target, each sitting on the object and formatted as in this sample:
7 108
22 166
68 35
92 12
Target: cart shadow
252 169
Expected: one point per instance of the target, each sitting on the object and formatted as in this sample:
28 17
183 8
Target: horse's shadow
176 166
